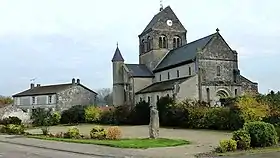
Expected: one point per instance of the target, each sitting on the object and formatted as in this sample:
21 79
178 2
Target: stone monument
154 123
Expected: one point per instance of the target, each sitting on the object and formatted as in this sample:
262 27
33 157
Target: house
58 97
205 69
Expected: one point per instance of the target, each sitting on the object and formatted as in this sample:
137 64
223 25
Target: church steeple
117 56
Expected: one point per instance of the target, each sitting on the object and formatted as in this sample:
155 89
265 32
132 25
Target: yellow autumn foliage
252 109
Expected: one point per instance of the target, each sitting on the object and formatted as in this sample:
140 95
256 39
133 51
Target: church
169 65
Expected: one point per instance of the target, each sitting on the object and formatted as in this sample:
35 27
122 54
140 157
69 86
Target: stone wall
76 95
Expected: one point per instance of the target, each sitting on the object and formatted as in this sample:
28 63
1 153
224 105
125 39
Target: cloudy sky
56 40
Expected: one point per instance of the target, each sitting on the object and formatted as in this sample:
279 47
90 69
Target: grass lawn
123 143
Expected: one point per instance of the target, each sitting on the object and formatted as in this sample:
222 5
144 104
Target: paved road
17 151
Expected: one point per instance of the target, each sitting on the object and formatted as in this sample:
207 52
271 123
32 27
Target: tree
104 96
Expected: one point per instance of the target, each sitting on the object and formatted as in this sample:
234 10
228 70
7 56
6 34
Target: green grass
123 143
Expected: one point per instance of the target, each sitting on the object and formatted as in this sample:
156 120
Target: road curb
61 150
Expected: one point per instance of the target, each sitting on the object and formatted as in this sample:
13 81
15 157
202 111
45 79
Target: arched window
157 98
142 45
190 71
168 75
162 41
149 100
177 42
149 44
178 73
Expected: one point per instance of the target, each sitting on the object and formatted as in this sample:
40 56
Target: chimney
73 81
78 81
38 85
31 85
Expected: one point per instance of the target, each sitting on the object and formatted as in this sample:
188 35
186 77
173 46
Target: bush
72 133
114 133
75 114
41 117
141 113
217 118
227 145
92 114
55 118
3 129
122 114
14 129
278 132
11 120
252 109
242 138
98 132
262 134
108 117
45 130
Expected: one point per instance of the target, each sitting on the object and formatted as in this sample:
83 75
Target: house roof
117 56
162 86
139 70
247 80
184 53
166 13
49 89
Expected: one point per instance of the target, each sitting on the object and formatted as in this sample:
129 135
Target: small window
178 73
33 100
167 95
160 77
235 92
141 99
168 75
50 99
176 42
149 99
190 71
157 98
162 43
218 71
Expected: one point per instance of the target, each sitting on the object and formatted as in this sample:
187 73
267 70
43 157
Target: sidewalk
102 151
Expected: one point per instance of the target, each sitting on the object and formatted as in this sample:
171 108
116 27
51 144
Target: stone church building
169 65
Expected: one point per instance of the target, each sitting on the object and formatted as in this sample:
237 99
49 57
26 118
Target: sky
57 40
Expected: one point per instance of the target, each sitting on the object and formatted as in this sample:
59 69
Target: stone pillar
154 123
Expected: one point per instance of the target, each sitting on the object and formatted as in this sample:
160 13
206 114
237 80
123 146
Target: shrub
114 133
262 134
122 114
55 118
41 117
98 132
45 130
2 129
11 120
141 113
59 135
217 118
163 105
251 109
92 114
242 138
278 132
107 116
227 145
14 129
196 117
75 114
72 133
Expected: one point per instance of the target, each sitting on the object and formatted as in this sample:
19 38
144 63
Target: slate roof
139 70
49 89
184 53
162 86
117 56
166 13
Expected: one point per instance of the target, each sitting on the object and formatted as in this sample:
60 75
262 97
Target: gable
217 48
182 55
159 22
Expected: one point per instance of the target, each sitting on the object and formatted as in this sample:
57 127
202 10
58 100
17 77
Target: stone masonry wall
77 95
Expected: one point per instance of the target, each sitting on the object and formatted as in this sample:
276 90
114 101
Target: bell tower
164 33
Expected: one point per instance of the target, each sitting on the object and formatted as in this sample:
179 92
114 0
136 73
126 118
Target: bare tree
104 96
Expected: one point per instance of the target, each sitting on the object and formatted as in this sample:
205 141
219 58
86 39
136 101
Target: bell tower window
142 46
176 42
149 43
162 42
